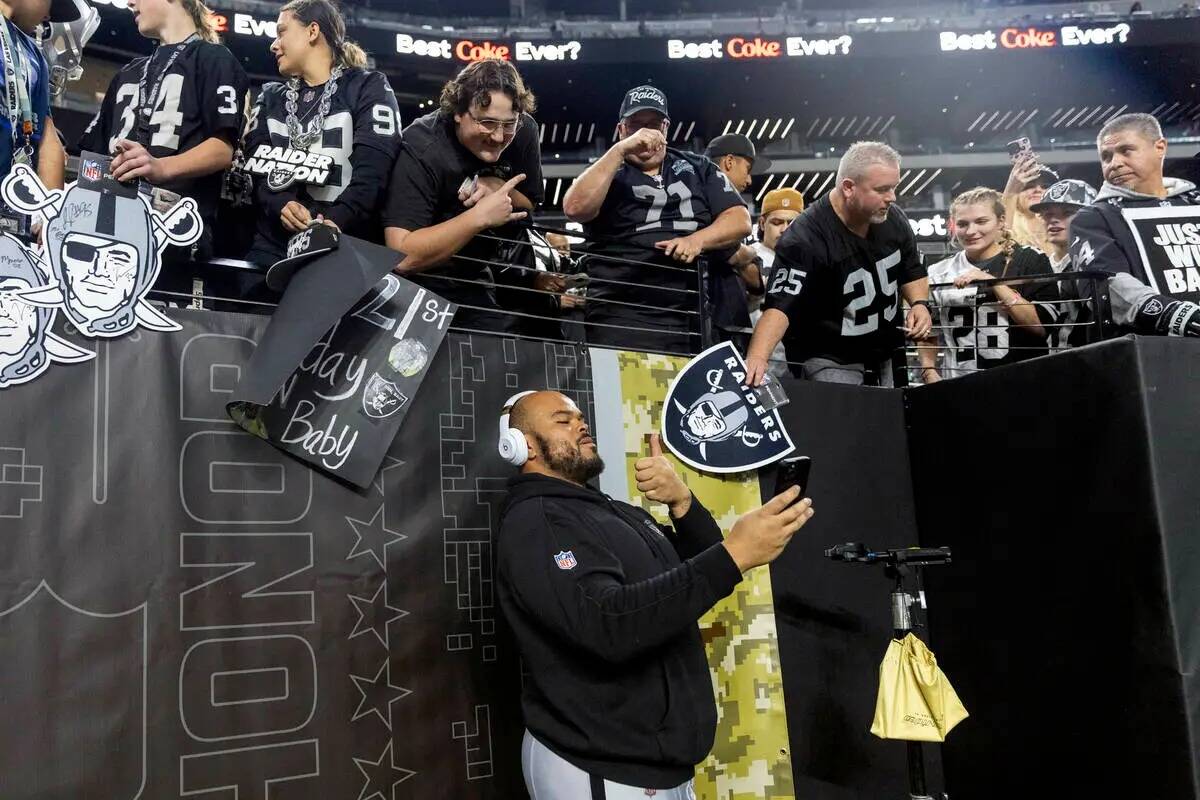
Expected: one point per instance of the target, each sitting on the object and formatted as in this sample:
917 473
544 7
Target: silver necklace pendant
309 95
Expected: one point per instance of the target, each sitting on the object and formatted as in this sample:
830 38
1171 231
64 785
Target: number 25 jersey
840 291
201 96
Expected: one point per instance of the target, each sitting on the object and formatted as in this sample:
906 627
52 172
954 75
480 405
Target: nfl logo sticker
715 423
91 171
565 560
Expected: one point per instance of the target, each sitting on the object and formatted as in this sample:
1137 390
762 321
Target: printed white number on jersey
229 95
386 123
863 286
788 281
659 198
125 100
167 118
339 128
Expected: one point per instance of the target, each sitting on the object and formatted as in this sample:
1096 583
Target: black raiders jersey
354 153
202 96
687 194
841 292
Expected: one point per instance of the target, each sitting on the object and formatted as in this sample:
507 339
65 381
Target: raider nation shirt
841 292
201 97
360 136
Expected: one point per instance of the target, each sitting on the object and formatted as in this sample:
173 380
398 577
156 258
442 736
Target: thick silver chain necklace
302 137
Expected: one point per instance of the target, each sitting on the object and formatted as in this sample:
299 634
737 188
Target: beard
569 462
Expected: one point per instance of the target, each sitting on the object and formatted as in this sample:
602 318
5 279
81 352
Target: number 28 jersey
202 96
840 291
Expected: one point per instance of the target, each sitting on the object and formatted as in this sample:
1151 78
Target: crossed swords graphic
181 226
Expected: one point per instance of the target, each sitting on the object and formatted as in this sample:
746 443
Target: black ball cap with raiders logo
641 98
1069 192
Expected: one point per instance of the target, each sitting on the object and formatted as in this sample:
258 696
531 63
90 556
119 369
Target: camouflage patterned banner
750 759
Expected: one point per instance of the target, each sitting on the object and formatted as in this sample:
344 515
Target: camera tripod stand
898 564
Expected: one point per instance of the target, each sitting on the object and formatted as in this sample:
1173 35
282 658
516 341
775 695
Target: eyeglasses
487 125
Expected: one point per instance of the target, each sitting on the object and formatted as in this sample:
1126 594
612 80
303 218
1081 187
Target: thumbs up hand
658 481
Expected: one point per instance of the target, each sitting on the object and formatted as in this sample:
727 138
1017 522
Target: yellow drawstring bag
916 701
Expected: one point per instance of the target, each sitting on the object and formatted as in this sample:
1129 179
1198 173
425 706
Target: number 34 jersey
201 96
840 291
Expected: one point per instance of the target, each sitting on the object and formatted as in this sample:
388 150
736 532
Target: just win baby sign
1168 240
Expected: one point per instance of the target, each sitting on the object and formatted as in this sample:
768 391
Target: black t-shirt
687 194
361 133
202 96
976 330
841 292
426 178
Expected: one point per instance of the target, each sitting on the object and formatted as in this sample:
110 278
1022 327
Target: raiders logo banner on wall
363 339
1168 241
714 422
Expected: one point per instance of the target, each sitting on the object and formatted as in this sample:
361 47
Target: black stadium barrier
185 568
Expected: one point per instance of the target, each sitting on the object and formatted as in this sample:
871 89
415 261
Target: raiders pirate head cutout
714 422
27 344
104 243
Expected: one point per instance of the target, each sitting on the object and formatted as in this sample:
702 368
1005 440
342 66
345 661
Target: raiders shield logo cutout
382 398
103 247
713 422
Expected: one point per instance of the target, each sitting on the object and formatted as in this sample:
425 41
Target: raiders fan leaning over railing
1158 293
984 327
340 115
172 119
840 272
472 166
650 212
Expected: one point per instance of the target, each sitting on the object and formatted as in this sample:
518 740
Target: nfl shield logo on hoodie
565 559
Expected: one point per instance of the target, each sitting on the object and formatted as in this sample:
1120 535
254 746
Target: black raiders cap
641 98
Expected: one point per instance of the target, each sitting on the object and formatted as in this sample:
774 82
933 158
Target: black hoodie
604 604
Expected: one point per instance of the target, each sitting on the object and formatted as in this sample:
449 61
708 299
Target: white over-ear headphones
513 447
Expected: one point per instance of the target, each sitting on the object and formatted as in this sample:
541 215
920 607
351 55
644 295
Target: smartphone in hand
1020 148
793 472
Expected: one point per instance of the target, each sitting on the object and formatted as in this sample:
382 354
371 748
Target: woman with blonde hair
985 326
338 120
1027 182
173 118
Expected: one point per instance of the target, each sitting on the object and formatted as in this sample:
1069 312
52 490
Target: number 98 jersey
202 95
361 134
840 291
